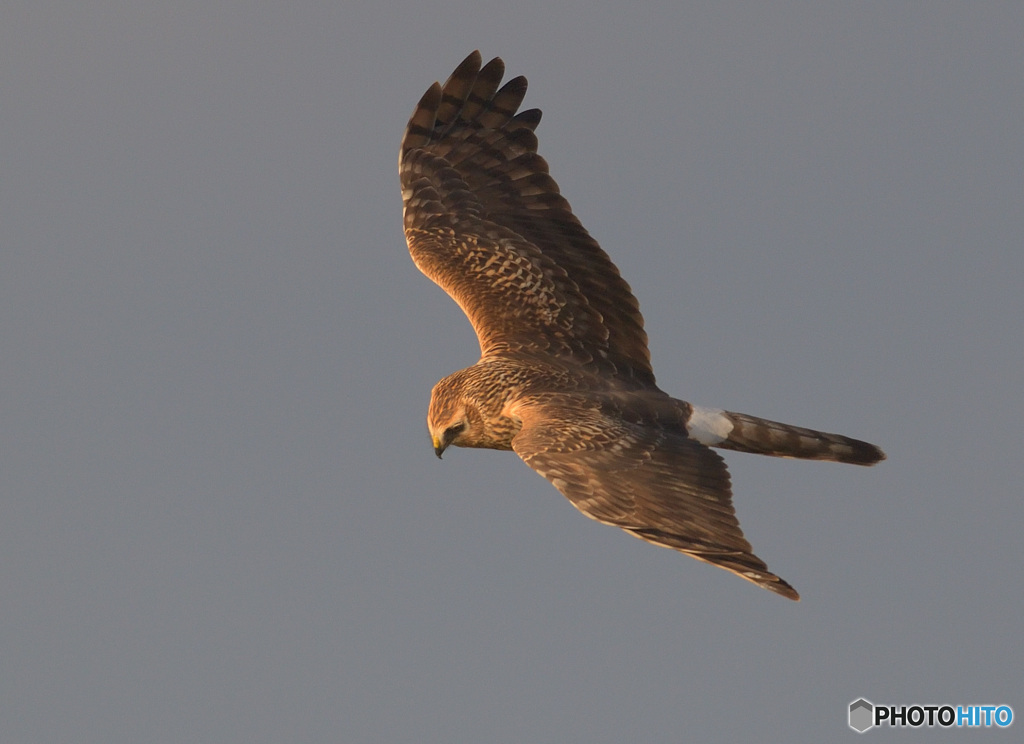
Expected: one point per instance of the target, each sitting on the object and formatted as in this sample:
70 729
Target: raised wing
655 483
486 222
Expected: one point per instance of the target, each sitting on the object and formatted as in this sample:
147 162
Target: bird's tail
743 433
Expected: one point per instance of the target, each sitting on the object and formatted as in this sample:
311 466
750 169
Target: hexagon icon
862 714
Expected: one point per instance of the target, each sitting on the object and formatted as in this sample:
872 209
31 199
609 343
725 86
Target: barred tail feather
743 433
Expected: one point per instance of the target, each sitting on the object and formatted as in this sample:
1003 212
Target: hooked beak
439 447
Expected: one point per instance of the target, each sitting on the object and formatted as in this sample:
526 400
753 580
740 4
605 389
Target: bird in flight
564 378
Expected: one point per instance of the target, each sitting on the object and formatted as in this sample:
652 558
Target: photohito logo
865 715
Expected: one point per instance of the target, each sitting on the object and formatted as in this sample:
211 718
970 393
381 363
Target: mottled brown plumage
564 377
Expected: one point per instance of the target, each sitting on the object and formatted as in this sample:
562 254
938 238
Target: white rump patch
708 426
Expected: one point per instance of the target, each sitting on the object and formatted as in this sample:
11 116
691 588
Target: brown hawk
564 377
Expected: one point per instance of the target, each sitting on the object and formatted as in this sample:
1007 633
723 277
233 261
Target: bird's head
451 417
467 410
447 434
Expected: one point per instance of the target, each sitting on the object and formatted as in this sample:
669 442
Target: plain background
221 519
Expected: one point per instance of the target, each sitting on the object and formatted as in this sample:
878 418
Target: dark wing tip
473 59
753 569
782 588
469 97
420 128
748 566
528 119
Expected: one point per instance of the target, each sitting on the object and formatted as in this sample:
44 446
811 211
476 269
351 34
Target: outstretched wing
486 222
653 482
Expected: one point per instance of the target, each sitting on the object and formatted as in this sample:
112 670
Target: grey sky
221 519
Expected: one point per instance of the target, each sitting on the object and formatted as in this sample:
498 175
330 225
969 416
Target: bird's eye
453 431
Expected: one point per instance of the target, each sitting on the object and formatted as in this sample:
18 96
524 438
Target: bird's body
564 377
